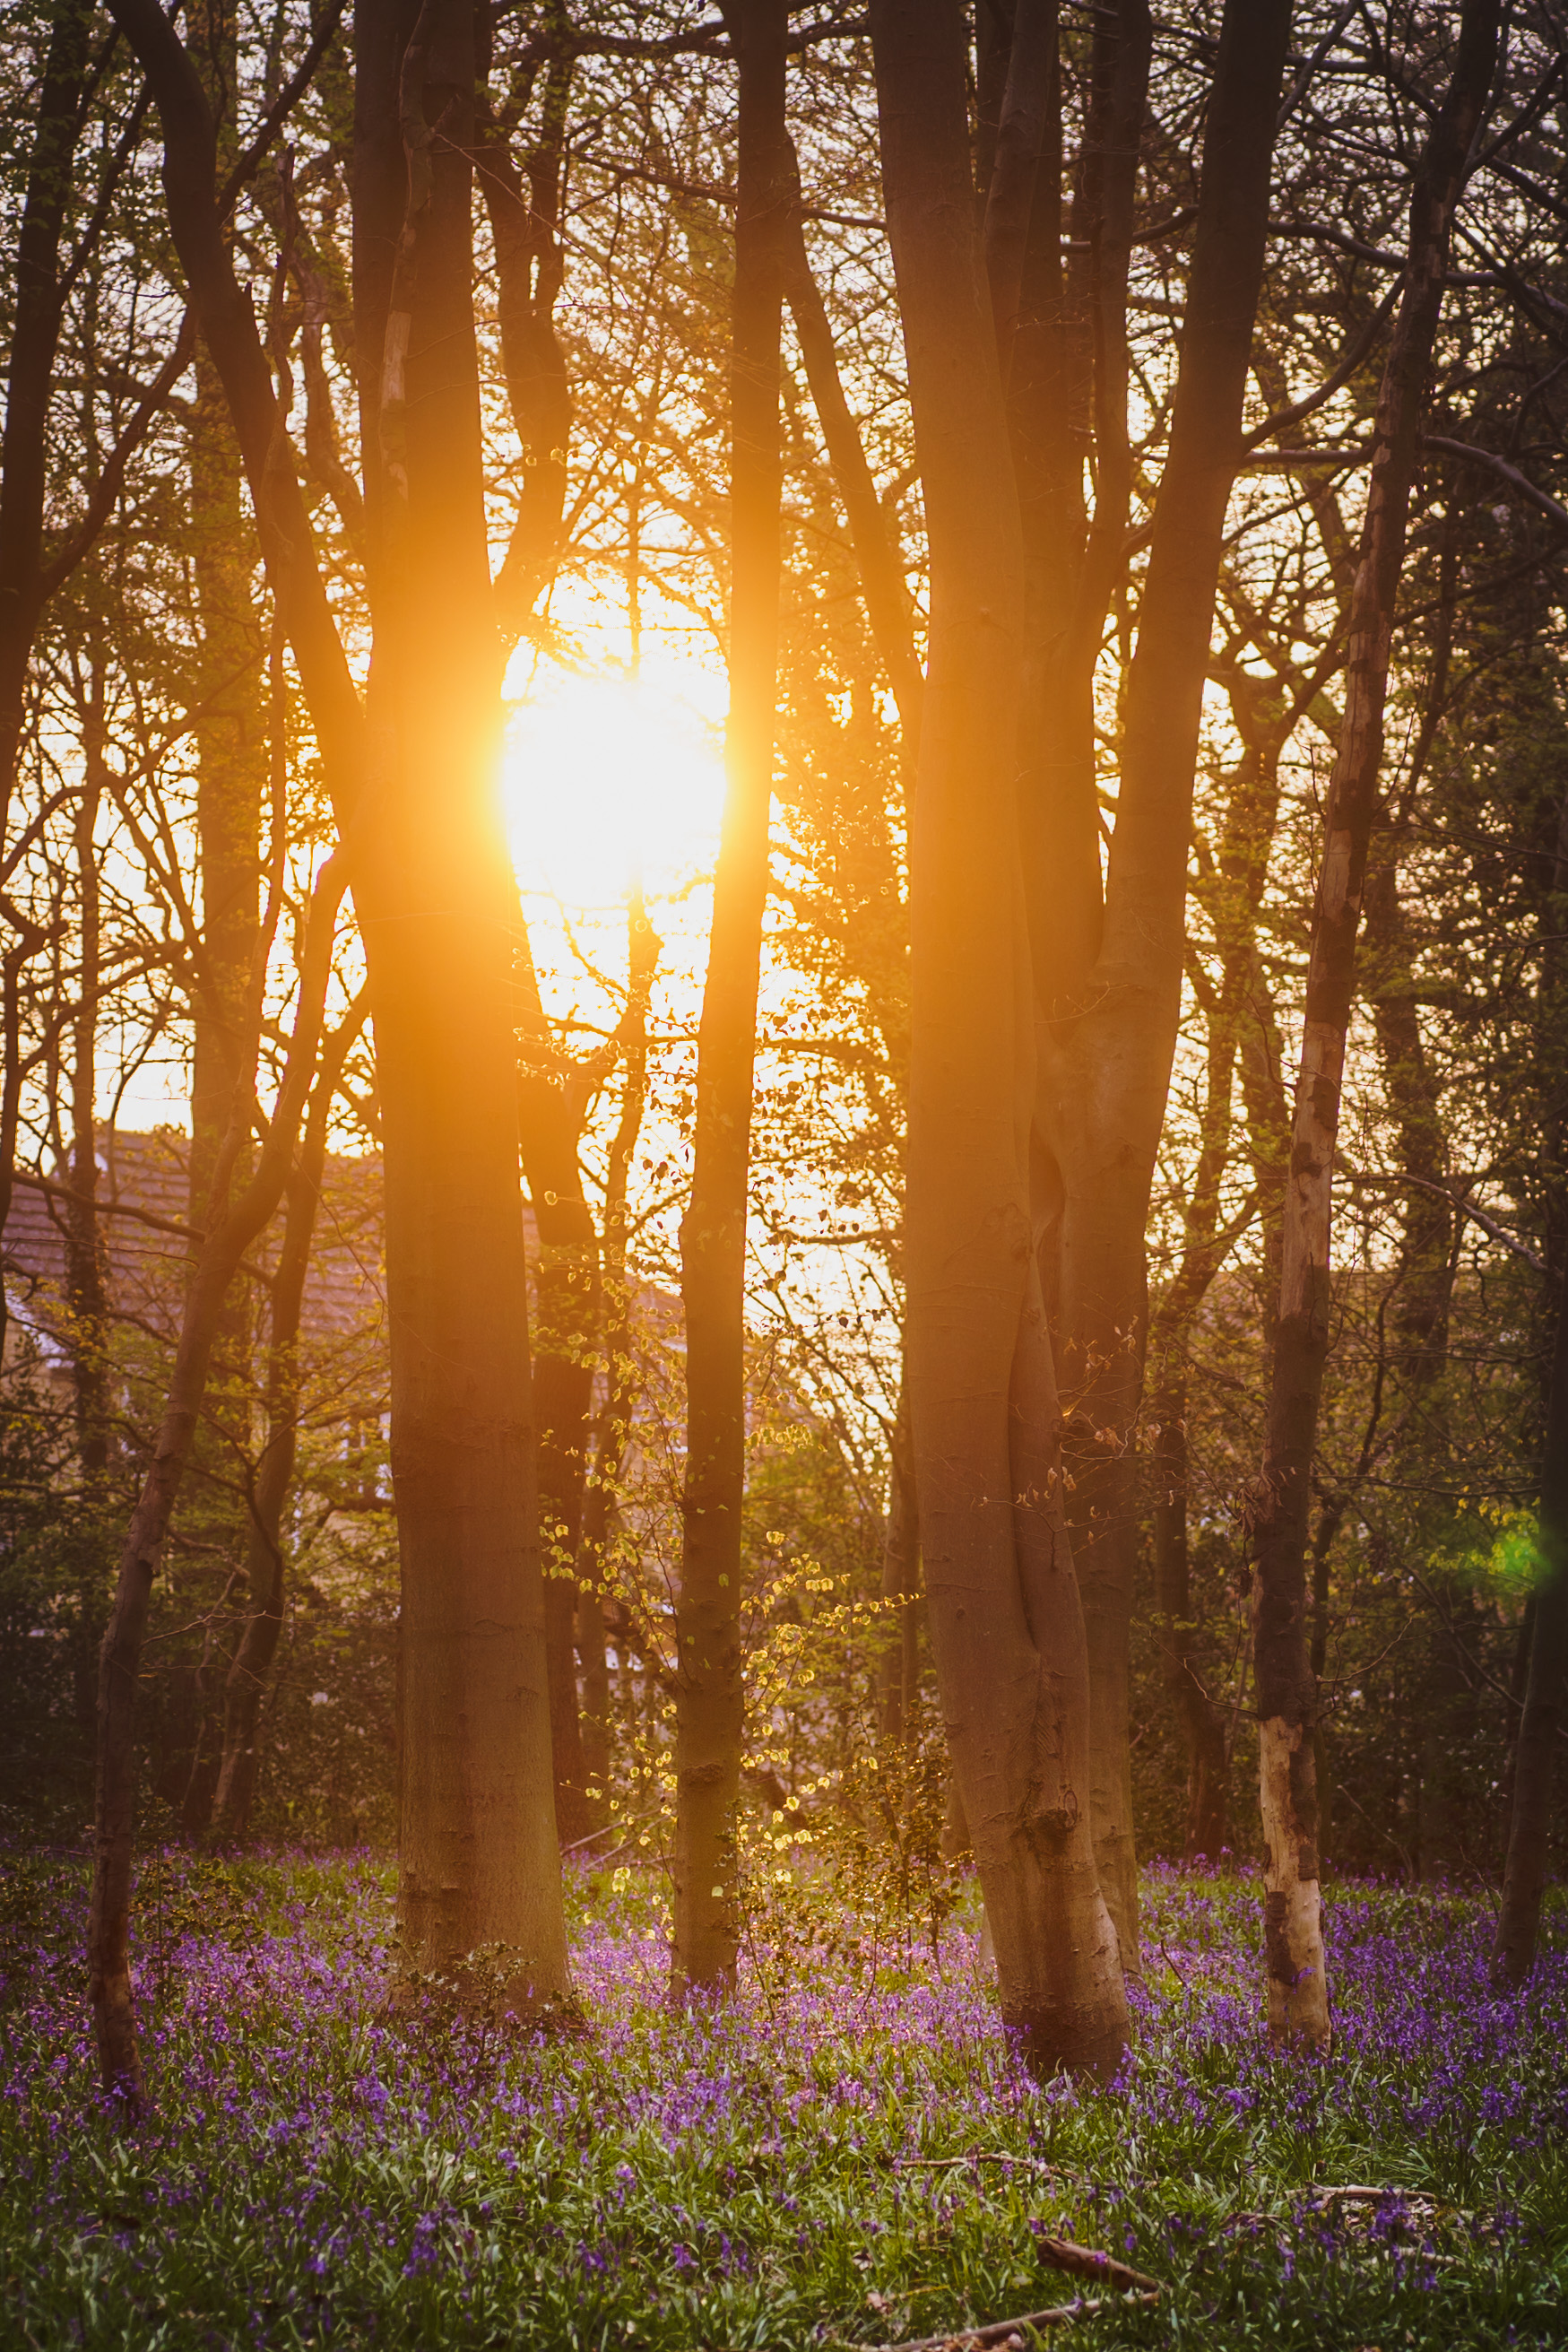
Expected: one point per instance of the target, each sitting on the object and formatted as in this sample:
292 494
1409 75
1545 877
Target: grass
314 2174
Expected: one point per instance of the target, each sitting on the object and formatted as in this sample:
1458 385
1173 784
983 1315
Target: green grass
316 2173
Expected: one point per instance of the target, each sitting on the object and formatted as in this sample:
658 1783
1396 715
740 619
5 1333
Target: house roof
144 1189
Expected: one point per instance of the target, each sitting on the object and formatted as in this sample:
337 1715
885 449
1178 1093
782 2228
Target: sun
609 780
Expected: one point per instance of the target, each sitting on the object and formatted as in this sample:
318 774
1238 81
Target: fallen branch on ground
1087 2261
1003 2331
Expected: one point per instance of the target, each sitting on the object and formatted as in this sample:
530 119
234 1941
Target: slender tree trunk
1418 1322
613 1431
1181 1645
1539 1679
266 1560
231 760
1287 1700
1541 1722
235 1224
569 1303
709 1707
86 1283
231 728
1002 1603
87 1287
1109 1062
901 1588
525 226
883 581
1203 1250
30 368
23 450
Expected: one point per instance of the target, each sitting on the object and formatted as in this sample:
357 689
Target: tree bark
553 1096
1286 1695
24 448
230 728
437 907
709 1708
30 368
266 1561
525 225
883 582
1538 1744
87 1295
1108 976
1181 1643
900 1588
613 1431
234 1225
479 1895
1002 1603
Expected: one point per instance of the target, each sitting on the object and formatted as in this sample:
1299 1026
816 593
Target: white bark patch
1292 1905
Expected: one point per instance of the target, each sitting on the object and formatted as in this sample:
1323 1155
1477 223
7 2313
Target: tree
1006 1626
710 1705
1297 1977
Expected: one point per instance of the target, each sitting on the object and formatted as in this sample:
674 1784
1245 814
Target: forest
784 1173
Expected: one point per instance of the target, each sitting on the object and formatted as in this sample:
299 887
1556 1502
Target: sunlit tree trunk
553 1102
1110 1048
1003 1608
900 1588
414 784
613 1430
1286 1696
709 1708
479 1892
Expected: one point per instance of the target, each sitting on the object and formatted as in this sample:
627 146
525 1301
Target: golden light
609 779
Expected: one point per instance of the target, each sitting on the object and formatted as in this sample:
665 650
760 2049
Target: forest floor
848 2155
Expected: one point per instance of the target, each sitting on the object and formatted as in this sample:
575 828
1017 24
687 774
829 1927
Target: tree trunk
479 1896
613 1431
231 760
1287 1702
30 368
1002 1603
266 1563
23 450
883 582
1181 1645
553 1103
234 1225
86 1280
1538 1743
230 726
709 1707
901 1590
1203 1247
438 913
1110 1061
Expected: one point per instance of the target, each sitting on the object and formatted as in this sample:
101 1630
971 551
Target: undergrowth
848 2154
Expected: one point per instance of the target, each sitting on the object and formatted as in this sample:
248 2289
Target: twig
1088 2262
985 2156
1003 2331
